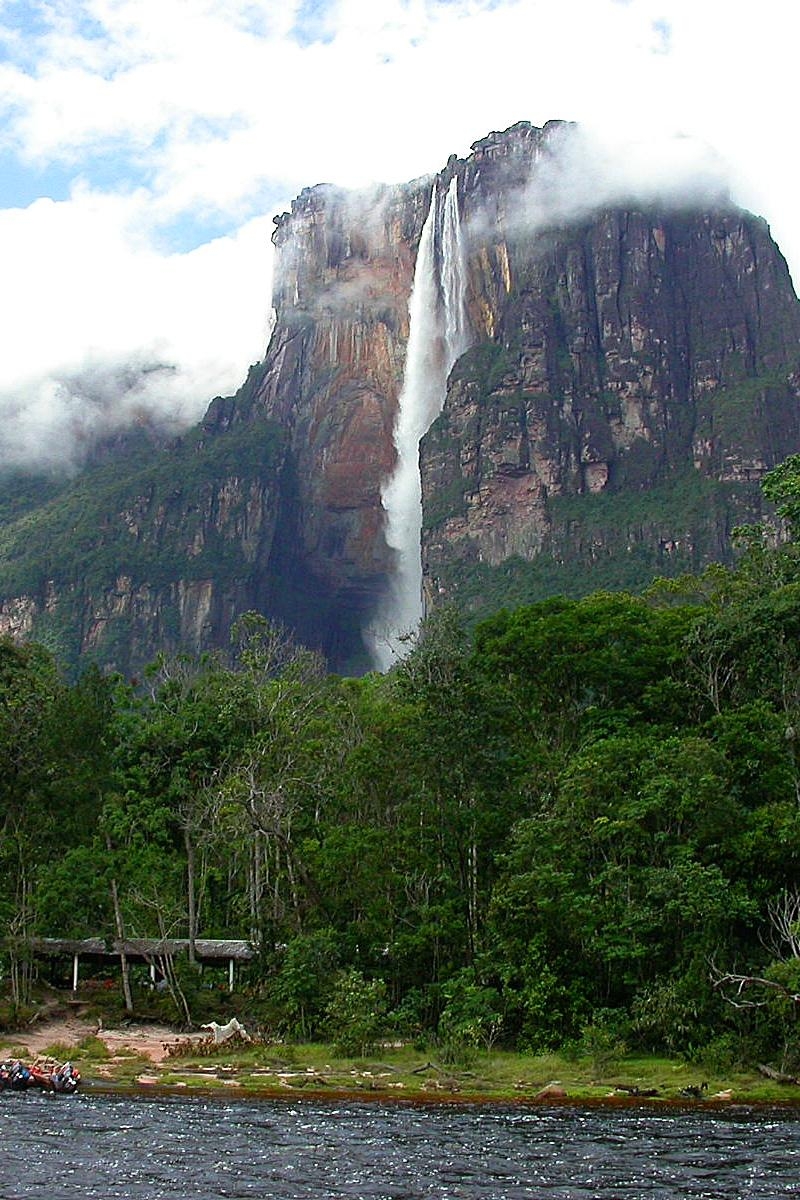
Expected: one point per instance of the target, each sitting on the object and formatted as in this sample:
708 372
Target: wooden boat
47 1074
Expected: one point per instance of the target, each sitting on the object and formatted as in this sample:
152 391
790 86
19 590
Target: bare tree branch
741 983
784 919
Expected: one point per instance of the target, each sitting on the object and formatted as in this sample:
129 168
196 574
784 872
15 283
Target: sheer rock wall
633 373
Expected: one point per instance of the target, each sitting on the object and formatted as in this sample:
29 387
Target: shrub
472 1017
355 1013
603 1047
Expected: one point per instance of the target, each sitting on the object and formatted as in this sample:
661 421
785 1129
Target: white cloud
212 108
593 168
90 292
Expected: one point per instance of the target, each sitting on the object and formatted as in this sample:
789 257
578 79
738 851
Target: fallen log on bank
778 1076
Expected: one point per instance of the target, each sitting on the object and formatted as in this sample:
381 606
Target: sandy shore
147 1040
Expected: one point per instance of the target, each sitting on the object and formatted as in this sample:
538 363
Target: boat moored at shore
46 1074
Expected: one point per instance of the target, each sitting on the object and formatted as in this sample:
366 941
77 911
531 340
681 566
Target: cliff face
638 353
157 550
331 380
633 372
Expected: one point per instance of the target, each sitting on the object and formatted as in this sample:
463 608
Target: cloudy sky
146 144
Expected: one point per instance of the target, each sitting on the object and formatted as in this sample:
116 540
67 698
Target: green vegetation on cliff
78 535
151 516
610 541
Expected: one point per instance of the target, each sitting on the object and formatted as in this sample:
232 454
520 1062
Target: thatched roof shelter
144 949
218 952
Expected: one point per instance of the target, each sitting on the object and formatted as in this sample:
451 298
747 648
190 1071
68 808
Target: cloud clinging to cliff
145 144
587 170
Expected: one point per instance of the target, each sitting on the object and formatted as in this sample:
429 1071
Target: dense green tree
29 829
638 894
563 821
596 664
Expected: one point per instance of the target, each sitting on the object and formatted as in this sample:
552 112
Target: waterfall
454 281
437 335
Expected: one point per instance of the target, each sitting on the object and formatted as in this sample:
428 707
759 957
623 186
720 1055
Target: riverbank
152 1056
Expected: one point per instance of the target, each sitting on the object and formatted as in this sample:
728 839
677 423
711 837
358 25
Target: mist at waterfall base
438 335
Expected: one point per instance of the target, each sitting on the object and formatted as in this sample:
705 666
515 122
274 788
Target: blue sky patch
191 230
21 185
25 16
663 32
312 23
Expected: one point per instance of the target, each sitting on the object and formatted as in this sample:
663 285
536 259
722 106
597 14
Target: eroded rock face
632 349
633 372
642 353
344 266
614 354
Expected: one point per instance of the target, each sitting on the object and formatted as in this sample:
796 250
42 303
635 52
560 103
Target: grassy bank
404 1073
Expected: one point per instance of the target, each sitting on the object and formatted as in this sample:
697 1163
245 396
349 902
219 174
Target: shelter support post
75 972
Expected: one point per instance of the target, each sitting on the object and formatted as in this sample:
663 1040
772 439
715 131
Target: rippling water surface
108 1146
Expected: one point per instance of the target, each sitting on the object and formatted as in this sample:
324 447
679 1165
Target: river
207 1148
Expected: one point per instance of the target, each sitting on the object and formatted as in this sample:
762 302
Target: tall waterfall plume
454 282
438 335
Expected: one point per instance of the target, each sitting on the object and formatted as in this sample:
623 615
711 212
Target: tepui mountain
625 376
